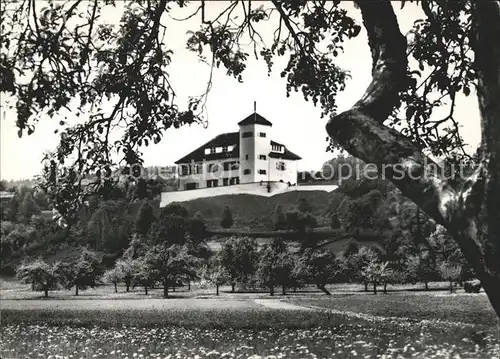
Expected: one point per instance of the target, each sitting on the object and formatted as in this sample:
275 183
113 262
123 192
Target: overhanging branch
361 132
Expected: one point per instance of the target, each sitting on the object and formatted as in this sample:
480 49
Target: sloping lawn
466 308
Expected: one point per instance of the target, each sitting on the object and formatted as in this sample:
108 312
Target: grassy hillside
254 212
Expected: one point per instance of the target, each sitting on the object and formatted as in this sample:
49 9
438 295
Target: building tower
255 144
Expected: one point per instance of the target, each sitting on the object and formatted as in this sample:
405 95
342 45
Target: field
197 324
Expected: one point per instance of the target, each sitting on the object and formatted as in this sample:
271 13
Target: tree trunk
165 288
127 287
487 61
145 290
362 133
426 285
451 286
116 288
76 290
216 289
271 289
324 290
366 287
233 285
283 290
385 288
374 287
189 285
46 293
173 288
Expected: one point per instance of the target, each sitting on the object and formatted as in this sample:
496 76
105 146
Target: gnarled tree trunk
362 133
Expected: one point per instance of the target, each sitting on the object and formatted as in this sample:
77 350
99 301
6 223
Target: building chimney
255 106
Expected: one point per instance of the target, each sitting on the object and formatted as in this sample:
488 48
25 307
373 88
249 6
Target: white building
246 156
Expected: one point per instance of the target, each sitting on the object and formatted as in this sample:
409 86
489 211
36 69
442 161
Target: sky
296 123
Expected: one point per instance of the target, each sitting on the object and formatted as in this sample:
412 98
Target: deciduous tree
145 218
215 272
227 218
453 50
42 276
113 275
278 218
28 207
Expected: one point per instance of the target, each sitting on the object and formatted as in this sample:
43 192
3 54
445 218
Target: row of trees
276 265
81 273
169 247
25 203
240 262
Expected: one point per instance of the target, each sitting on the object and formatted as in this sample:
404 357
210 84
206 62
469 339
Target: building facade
246 156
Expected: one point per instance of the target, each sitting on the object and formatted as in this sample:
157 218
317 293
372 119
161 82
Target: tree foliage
278 218
145 218
227 218
215 272
42 276
28 207
64 56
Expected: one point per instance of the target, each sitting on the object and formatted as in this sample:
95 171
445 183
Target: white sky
296 123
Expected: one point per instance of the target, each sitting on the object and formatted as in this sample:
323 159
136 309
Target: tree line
171 250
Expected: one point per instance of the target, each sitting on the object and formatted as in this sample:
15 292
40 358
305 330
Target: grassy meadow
197 324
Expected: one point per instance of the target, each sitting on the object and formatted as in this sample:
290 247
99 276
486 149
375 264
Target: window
262 134
184 169
280 166
262 157
225 181
196 169
233 165
213 183
246 157
247 172
262 172
192 169
212 150
191 185
234 180
277 148
224 148
247 134
213 167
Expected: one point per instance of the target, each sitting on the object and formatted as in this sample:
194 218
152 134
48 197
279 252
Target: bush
473 286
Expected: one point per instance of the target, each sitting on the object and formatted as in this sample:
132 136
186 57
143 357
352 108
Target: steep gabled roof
255 118
225 139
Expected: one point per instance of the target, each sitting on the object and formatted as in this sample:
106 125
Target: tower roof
255 118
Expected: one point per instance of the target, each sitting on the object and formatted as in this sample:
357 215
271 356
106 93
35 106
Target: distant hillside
254 212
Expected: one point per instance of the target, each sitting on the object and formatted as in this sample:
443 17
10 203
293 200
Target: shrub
227 218
473 286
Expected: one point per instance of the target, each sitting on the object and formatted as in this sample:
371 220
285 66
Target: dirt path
278 304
